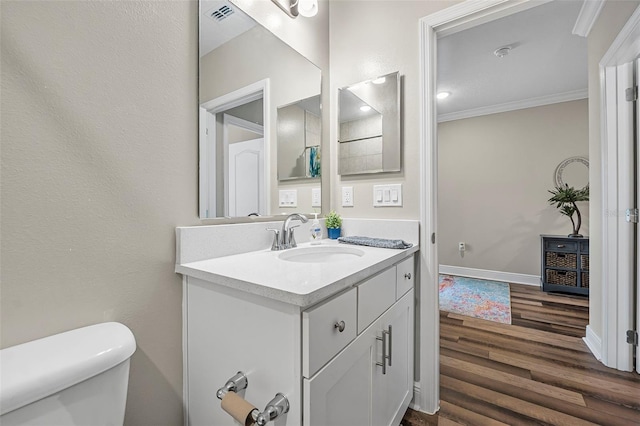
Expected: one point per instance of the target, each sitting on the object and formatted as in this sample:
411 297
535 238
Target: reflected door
246 185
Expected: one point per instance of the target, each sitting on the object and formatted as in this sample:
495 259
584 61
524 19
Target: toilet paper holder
278 406
234 384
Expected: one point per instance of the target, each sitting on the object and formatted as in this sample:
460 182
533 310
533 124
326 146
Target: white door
340 393
246 178
393 391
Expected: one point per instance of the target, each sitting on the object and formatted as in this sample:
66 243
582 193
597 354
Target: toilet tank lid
37 369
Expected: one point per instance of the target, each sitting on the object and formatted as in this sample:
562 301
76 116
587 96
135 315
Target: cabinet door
392 392
340 393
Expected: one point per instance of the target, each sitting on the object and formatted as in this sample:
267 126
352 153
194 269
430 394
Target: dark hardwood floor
537 371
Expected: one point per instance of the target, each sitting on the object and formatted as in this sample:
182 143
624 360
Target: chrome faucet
284 239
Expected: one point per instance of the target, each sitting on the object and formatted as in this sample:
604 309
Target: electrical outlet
347 196
316 197
462 246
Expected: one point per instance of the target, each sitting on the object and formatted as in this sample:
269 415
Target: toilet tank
79 377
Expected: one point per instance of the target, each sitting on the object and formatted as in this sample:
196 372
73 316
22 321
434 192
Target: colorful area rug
489 300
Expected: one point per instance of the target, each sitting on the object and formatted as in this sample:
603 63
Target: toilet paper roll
238 408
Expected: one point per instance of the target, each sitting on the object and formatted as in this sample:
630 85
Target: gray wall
99 165
493 175
363 47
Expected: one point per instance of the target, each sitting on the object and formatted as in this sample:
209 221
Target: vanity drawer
405 277
321 335
375 295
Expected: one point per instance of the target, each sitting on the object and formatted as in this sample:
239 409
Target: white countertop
303 284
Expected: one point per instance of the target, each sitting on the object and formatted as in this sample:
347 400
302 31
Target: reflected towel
376 242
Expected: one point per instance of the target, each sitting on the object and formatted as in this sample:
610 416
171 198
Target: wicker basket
562 260
585 280
567 278
584 261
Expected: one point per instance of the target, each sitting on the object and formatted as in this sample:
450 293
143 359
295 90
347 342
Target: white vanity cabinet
352 389
327 358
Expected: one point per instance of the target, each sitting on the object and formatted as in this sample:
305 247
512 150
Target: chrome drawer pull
408 276
340 326
383 339
385 356
561 245
390 344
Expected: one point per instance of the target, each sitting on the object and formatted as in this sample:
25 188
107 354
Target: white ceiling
215 32
547 62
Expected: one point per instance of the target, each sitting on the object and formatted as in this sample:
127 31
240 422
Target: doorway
237 117
451 20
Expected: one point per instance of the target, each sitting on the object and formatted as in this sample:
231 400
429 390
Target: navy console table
565 264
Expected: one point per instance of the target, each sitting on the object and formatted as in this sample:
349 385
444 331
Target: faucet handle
292 238
275 245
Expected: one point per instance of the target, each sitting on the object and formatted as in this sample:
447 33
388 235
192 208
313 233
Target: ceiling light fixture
443 95
502 51
308 8
365 108
293 8
380 80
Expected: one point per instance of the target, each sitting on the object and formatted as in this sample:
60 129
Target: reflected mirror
248 78
299 133
369 126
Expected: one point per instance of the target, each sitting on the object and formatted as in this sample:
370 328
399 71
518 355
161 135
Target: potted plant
565 199
333 222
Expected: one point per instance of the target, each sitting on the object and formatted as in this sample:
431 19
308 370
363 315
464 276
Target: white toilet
79 377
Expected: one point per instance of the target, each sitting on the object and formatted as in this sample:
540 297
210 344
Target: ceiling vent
221 14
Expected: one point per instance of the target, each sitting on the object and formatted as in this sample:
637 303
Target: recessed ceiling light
379 80
443 95
365 108
502 51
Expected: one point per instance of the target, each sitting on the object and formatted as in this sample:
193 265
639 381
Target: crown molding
512 106
587 17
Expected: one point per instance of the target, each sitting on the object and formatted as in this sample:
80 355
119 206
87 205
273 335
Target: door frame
257 90
617 196
447 21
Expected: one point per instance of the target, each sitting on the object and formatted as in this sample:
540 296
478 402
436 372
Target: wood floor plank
535 371
551 310
613 409
468 416
549 401
535 363
514 404
515 381
491 411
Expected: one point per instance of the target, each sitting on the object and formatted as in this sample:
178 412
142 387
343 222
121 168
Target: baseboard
416 397
485 274
414 405
594 343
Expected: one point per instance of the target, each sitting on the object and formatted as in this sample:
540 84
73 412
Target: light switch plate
288 198
316 197
387 195
347 196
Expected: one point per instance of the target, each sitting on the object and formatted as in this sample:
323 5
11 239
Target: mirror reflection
299 135
248 78
369 126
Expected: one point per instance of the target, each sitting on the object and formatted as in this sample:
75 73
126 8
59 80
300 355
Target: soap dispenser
316 230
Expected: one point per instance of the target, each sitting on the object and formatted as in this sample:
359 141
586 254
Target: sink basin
321 254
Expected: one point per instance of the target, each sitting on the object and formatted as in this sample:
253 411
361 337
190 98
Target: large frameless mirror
248 78
369 126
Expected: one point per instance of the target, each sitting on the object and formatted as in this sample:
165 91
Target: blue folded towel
376 242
